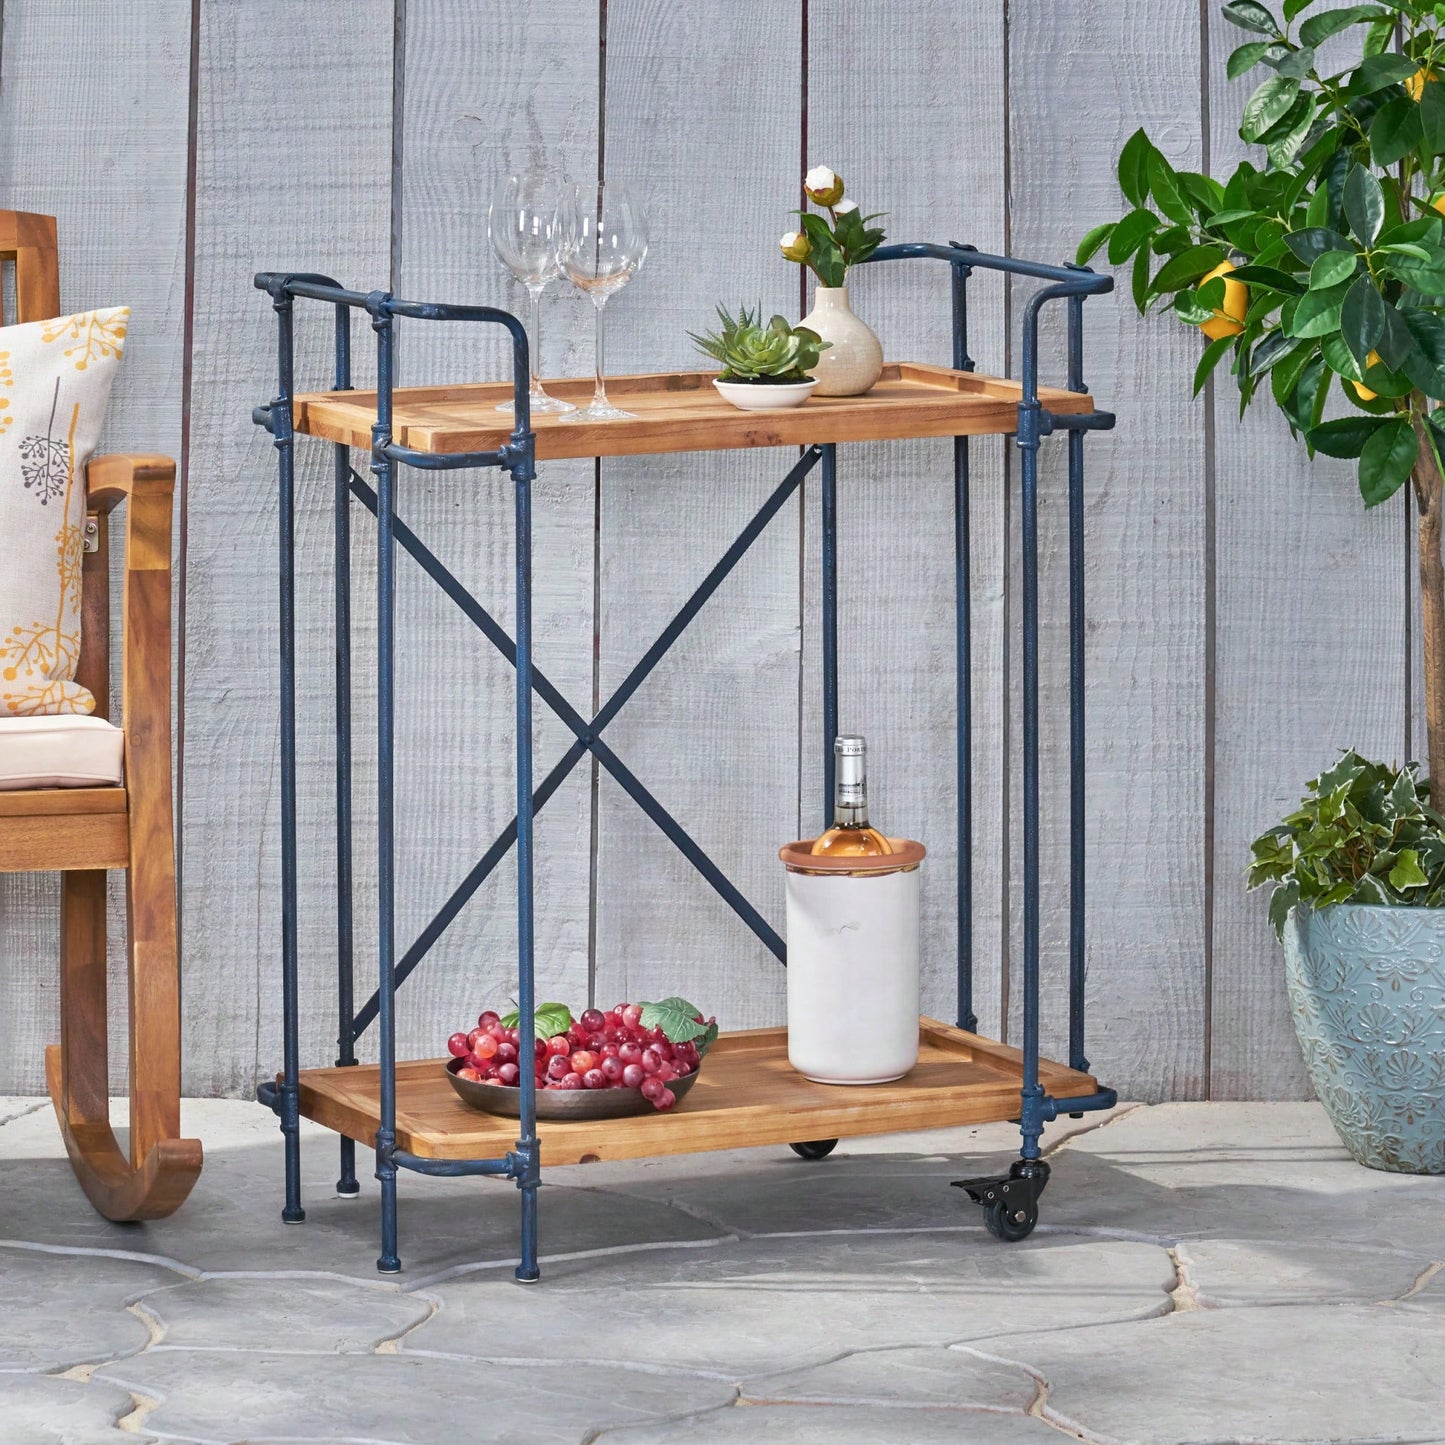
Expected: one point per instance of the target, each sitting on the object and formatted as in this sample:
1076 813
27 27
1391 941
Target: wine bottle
850 836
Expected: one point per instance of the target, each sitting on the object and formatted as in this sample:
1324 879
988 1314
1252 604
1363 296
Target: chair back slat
28 243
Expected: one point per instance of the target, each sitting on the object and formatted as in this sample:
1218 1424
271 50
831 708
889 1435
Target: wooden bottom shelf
747 1094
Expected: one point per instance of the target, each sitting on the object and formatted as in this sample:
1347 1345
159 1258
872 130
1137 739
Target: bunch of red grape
611 1050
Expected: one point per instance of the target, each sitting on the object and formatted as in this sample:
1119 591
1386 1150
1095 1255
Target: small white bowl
765 396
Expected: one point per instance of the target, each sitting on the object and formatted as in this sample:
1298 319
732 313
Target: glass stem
535 292
599 390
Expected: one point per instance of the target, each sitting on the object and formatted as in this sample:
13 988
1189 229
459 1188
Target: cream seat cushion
65 750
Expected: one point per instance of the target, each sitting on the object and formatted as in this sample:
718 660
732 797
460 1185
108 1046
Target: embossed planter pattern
1367 995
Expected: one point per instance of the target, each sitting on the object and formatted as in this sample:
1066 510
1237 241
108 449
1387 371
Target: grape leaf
552 1018
677 1018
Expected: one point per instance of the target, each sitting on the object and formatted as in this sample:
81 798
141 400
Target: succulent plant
749 351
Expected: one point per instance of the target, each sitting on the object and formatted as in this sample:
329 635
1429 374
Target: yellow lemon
1415 86
1230 320
1438 202
1359 388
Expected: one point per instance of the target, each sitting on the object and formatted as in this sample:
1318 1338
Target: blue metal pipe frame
518 458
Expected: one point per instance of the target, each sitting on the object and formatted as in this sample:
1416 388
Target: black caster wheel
1010 1222
814 1148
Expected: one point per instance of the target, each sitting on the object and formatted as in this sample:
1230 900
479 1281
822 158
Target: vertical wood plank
489 93
292 167
1302 669
702 114
1082 77
906 102
93 126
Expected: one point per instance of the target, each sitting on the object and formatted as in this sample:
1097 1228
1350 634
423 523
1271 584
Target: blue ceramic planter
1367 994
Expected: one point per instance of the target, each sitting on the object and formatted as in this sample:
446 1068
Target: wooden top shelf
682 412
746 1094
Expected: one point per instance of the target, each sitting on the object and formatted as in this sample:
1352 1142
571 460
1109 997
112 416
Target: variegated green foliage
1364 833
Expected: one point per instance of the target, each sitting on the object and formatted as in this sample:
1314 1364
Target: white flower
844 206
824 186
795 246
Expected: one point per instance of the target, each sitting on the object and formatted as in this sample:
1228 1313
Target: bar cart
747 1094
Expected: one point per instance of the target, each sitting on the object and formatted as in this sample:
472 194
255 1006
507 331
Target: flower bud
843 207
795 246
823 186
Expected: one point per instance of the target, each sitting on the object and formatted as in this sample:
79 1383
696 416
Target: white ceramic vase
855 359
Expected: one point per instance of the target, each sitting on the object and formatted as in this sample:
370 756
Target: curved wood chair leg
161 1168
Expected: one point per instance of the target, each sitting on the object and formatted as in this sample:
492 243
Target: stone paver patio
1202 1273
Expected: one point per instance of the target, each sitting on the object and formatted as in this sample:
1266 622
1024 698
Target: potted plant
765 368
1320 273
828 248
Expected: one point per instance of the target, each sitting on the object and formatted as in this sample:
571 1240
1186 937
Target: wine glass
603 240
522 227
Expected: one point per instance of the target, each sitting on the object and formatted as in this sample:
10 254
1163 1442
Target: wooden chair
84 831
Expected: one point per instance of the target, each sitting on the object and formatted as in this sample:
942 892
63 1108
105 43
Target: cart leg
829 624
287 1105
346 1184
527 1160
389 1261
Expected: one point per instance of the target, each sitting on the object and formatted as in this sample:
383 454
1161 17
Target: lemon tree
1318 268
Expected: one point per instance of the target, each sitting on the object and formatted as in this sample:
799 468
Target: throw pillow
55 379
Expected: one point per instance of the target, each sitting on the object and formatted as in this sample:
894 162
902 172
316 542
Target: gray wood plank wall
193 143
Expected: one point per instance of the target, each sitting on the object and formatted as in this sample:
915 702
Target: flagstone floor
1217 1272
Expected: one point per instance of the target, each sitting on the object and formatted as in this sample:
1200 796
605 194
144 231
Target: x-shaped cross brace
588 734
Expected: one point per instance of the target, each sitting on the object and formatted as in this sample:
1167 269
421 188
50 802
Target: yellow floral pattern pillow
55 379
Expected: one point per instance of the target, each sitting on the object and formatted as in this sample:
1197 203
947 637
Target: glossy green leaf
1362 318
1310 244
1321 27
1291 8
1379 36
1428 280
1093 239
1364 204
1297 64
1395 131
1134 168
1375 72
1139 281
1340 359
1426 366
1268 104
1186 268
1209 360
1268 278
1331 268
1164 188
1345 437
1250 15
1432 116
1245 58
1318 312
1284 376
1385 461
1131 232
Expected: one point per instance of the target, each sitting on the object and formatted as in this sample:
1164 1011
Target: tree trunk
1430 503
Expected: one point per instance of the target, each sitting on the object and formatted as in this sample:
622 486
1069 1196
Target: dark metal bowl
559 1103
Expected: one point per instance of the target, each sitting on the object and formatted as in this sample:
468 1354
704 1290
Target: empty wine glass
522 226
603 240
